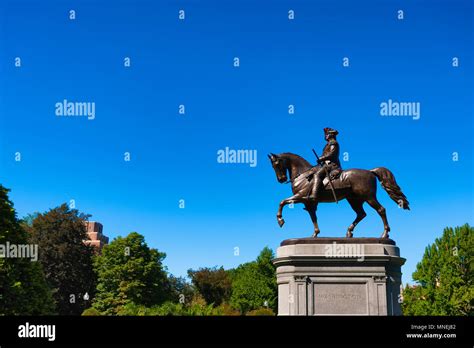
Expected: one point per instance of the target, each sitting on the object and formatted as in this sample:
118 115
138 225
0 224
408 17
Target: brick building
96 237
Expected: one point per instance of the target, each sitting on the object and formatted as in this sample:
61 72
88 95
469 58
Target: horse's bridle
298 175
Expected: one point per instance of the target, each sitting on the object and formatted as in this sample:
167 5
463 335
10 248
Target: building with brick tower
96 238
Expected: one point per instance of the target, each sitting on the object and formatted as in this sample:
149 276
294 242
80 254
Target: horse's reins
292 180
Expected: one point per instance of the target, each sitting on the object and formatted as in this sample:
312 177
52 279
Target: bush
167 308
261 312
226 309
90 312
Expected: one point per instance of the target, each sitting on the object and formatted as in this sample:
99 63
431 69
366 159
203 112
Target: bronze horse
356 185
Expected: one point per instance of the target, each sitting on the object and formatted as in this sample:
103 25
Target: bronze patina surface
326 182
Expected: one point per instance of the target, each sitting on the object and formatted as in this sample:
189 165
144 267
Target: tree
254 284
180 290
213 284
444 276
129 273
23 289
66 260
29 218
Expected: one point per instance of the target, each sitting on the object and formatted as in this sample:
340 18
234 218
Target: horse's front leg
292 199
311 208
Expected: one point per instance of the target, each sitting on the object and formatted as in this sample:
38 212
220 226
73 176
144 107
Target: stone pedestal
338 276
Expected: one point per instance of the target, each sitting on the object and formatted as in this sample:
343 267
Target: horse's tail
388 182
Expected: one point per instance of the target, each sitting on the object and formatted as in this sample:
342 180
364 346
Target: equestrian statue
326 182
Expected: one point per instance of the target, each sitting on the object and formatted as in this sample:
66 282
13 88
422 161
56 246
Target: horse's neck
298 166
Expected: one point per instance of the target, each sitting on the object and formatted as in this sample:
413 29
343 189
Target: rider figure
329 159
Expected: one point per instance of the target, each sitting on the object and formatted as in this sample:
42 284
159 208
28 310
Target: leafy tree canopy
444 276
23 289
67 262
254 284
213 284
130 273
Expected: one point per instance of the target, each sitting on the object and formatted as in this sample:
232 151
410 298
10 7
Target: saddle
338 177
339 180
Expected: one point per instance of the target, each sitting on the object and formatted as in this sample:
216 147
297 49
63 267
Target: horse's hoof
384 235
281 222
349 234
315 234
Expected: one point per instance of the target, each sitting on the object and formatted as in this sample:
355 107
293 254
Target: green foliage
180 290
213 284
177 309
248 288
29 218
444 276
66 260
226 310
200 310
254 284
128 278
23 289
129 273
167 308
90 312
261 312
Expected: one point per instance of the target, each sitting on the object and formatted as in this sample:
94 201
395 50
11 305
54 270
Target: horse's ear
269 156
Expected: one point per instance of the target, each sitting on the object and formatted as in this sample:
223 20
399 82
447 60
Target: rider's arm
332 150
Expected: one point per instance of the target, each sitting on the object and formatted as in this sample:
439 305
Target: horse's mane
297 158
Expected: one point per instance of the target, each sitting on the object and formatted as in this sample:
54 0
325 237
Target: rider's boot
316 188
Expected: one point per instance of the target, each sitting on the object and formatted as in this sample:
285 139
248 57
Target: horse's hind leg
357 206
374 203
311 208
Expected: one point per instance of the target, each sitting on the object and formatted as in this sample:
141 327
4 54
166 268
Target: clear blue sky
190 62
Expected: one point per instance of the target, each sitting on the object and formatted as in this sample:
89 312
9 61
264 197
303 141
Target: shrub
261 312
90 312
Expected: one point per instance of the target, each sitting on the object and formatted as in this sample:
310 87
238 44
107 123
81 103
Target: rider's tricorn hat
328 130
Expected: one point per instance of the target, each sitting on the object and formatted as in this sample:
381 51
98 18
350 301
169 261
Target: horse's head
278 164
